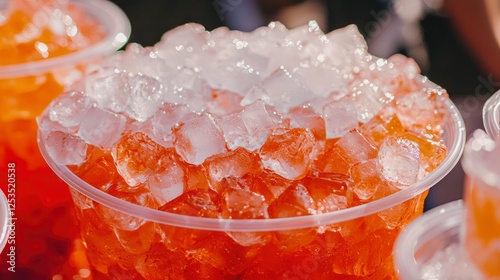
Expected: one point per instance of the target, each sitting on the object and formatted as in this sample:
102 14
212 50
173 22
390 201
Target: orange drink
44 46
276 154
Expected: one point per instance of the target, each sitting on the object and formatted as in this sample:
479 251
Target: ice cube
423 111
101 128
236 163
167 185
399 160
217 34
258 123
354 147
166 118
145 96
224 103
432 149
80 200
328 191
268 39
107 88
293 202
268 181
365 178
197 203
65 149
137 157
406 66
399 215
249 128
306 117
189 88
289 153
120 220
255 93
340 117
347 49
362 258
159 258
198 138
308 42
183 45
244 204
185 78
69 108
139 60
396 74
234 131
236 71
369 99
98 170
285 90
221 252
101 242
136 241
380 127
333 160
46 125
323 79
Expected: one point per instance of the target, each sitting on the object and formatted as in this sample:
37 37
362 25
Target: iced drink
431 247
482 203
275 154
44 46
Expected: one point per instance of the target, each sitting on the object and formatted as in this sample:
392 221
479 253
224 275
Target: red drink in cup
44 47
276 154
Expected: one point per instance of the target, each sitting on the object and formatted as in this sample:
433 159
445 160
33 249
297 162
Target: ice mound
267 116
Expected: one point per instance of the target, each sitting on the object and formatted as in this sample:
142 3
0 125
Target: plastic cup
491 115
482 204
310 246
4 221
45 238
431 247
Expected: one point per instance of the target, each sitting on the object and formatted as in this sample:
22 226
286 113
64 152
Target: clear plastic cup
45 238
112 19
431 247
4 221
491 115
482 203
370 246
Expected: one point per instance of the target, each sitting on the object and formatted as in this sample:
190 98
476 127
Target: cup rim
443 217
491 115
4 221
261 225
117 35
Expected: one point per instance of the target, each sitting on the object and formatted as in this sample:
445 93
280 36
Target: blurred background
454 42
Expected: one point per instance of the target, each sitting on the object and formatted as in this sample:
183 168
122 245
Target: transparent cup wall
482 203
